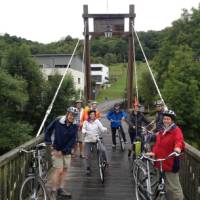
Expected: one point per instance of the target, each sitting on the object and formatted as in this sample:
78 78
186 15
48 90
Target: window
61 66
79 81
96 68
97 78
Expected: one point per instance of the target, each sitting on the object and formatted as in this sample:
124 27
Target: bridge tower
109 25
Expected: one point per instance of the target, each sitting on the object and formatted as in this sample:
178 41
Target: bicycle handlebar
173 154
41 145
26 151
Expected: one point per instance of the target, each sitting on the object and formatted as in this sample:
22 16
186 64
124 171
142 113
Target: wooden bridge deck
118 181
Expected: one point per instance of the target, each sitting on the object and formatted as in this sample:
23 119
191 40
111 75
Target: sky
48 21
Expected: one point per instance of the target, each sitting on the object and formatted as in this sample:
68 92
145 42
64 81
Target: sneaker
81 156
73 155
88 171
61 192
114 146
129 153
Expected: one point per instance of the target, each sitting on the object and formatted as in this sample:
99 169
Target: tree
20 64
182 90
65 97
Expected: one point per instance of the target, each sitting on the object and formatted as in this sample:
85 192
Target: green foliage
182 89
13 91
146 87
13 134
65 97
24 94
118 83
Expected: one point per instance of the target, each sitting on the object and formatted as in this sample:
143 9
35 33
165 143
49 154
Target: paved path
118 181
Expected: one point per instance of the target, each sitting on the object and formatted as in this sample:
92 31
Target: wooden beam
130 60
87 55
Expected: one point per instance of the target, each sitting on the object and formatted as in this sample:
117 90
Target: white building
52 64
99 73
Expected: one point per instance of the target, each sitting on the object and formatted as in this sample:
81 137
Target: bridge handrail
190 172
13 168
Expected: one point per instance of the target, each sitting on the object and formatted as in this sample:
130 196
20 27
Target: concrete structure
99 74
56 64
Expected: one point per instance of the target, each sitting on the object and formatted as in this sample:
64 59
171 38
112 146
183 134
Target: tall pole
87 54
130 59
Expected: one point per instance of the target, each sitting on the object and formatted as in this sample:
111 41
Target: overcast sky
50 20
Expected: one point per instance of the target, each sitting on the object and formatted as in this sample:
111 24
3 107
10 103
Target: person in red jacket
168 140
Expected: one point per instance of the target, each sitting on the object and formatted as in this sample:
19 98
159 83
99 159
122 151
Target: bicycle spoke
33 189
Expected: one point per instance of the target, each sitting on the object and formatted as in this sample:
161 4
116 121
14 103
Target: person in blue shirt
115 116
65 133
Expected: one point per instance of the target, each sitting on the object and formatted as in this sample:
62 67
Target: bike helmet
93 102
158 103
72 110
170 113
116 105
78 101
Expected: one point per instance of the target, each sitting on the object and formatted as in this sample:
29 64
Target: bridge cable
83 57
153 78
56 93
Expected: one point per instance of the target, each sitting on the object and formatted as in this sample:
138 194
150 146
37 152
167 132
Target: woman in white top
91 128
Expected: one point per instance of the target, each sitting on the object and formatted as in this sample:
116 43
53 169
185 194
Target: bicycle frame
143 163
121 141
101 158
36 159
35 176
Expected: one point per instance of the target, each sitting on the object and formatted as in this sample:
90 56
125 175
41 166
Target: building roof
55 55
98 65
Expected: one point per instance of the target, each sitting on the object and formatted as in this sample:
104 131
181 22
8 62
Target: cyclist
115 116
91 128
79 123
135 121
92 106
64 140
159 115
170 139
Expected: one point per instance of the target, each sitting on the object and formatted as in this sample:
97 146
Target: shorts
62 161
79 136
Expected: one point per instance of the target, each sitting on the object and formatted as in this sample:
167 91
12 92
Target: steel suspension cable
153 78
56 93
83 57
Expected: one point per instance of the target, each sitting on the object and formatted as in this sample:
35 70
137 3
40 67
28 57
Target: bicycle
101 158
150 183
121 141
147 138
33 187
119 135
143 142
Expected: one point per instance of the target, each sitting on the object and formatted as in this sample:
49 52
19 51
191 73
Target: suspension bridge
119 181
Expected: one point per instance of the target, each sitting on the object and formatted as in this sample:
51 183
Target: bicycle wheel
121 141
33 188
44 166
101 166
141 182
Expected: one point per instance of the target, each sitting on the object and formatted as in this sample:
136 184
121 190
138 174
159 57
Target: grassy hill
118 79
